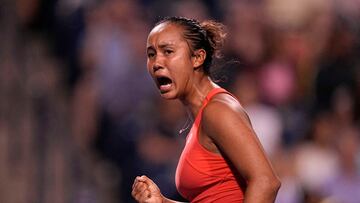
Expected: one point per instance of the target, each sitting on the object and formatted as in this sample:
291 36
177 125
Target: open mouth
164 83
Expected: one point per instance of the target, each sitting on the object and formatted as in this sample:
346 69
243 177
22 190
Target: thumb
146 180
152 186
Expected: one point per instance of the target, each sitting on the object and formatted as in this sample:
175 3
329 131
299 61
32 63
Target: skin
169 55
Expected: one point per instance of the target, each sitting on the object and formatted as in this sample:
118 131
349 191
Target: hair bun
216 35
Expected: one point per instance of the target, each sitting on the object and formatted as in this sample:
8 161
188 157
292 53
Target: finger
137 180
140 186
145 195
145 179
137 194
142 196
135 190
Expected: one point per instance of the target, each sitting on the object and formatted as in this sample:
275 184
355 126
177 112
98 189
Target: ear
199 57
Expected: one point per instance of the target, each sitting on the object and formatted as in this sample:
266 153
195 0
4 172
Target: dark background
80 118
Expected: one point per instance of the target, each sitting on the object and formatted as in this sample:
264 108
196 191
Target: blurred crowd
80 117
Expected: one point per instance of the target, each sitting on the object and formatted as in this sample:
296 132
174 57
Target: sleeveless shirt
204 176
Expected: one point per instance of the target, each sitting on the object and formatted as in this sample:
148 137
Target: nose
158 63
156 67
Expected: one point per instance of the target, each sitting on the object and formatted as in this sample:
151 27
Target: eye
168 52
150 54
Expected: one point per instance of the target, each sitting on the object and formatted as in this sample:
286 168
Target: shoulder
221 105
225 99
224 111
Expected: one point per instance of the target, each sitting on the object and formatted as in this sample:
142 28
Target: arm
227 124
144 190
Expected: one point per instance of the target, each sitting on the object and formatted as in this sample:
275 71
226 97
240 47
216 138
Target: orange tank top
203 176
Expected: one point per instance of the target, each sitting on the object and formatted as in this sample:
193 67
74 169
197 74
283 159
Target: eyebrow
166 45
150 48
161 46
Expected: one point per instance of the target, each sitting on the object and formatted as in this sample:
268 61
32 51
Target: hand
144 190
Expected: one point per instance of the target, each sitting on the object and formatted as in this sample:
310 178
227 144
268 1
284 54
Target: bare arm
227 124
144 190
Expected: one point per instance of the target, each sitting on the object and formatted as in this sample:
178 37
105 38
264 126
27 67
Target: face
169 60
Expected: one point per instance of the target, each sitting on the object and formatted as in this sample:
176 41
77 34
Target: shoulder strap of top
212 93
208 97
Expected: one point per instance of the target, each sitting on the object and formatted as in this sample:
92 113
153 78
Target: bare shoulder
223 105
224 111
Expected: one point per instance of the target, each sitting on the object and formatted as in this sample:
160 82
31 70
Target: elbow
276 184
273 184
269 184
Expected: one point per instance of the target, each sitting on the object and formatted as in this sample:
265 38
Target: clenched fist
144 190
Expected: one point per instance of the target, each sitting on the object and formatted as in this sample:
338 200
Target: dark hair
208 35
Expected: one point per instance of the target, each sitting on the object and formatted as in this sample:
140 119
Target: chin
168 95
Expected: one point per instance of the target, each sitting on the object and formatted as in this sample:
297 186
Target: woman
223 160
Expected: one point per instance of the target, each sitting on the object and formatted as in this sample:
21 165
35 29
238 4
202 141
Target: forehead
165 33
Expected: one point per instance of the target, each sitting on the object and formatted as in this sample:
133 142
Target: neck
193 100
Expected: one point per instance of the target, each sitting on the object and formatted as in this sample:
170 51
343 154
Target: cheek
148 66
183 64
186 67
181 71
